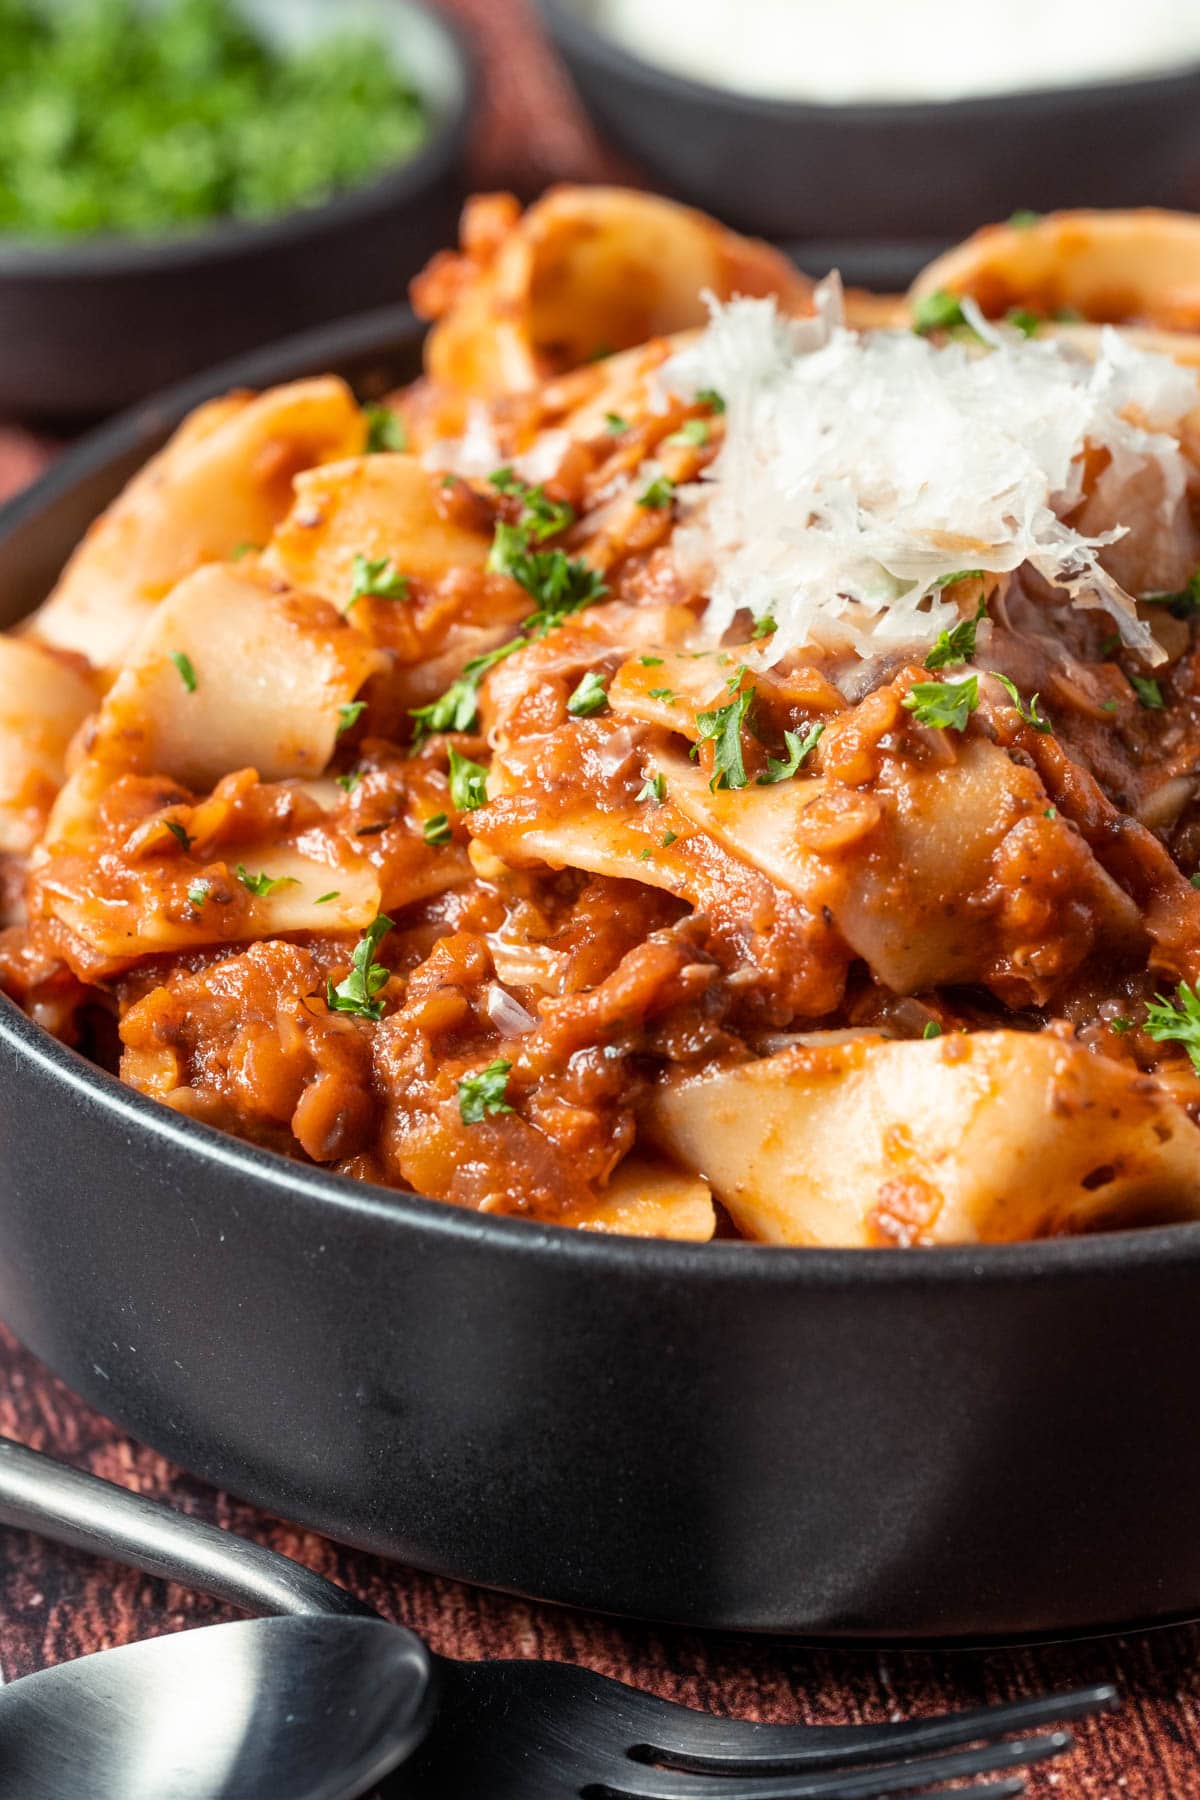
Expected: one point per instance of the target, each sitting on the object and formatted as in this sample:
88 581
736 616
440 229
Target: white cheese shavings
860 470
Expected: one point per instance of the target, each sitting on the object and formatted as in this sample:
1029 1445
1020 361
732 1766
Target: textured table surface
55 1604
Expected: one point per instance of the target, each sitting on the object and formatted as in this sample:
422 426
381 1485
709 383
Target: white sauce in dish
838 51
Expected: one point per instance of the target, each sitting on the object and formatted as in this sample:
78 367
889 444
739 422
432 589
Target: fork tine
690 1740
852 1784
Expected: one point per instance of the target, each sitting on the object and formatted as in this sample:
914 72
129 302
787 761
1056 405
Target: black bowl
790 170
922 1445
92 324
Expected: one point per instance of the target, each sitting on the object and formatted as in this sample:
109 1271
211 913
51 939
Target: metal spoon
320 1705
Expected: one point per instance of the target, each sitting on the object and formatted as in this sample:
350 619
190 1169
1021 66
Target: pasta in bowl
715 756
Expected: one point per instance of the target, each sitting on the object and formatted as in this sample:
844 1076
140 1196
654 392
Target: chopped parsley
650 662
653 788
945 581
615 423
722 728
669 838
245 548
800 745
667 694
1050 812
198 893
939 311
932 1030
958 644
436 830
385 430
1022 320
540 517
324 899
1148 692
695 432
262 885
1029 714
376 578
943 705
349 782
187 673
1183 604
589 697
764 626
356 994
1194 880
644 855
1120 1026
349 715
458 708
1176 1021
709 397
484 1096
658 493
559 584
179 834
1024 218
468 782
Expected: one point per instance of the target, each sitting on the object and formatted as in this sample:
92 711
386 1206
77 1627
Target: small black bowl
90 325
791 170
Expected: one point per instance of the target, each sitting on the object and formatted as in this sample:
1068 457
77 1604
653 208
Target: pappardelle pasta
717 755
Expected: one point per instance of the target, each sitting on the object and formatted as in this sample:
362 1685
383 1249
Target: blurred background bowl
88 325
915 170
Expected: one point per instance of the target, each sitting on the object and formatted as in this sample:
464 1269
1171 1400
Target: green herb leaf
349 715
1022 320
653 788
722 727
764 626
187 673
945 581
615 423
324 899
540 517
179 834
650 662
1176 1022
262 885
245 548
709 397
350 781
589 697
558 584
468 782
385 430
669 837
376 578
484 1095
958 644
939 311
932 1030
943 705
658 493
1183 604
356 994
1023 218
695 432
1030 713
458 708
1120 1026
800 745
198 893
436 830
1148 692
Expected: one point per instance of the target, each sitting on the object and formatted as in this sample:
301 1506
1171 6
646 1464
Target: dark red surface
55 1604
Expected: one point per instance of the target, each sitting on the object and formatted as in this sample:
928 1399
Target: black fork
552 1731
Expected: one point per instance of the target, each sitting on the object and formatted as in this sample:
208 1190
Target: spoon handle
40 1495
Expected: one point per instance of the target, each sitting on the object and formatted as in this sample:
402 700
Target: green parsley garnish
945 581
198 893
262 885
1120 1026
943 705
939 311
436 830
245 548
187 673
653 788
559 584
1050 812
1030 713
375 578
658 493
468 782
356 994
458 708
1194 880
650 662
484 1095
695 432
1176 1022
540 517
1183 604
722 727
615 423
385 430
1108 706
764 625
324 899
349 782
932 1030
1023 218
800 745
668 839
589 697
1022 320
709 397
1148 692
349 715
958 644
179 834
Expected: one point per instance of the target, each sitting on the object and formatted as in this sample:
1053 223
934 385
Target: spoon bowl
314 1708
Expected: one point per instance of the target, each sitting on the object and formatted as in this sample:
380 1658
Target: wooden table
56 1604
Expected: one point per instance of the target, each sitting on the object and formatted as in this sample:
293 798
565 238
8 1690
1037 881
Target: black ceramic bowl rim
722 1261
570 28
116 254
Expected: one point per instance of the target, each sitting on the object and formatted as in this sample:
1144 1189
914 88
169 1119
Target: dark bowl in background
88 325
921 1445
791 170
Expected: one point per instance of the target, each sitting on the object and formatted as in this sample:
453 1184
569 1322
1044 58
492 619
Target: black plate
884 1445
791 170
